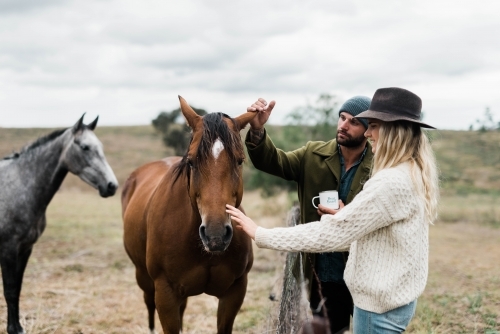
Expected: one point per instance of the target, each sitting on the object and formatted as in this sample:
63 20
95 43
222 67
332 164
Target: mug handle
313 201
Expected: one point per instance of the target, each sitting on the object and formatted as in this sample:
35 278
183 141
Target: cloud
127 60
20 6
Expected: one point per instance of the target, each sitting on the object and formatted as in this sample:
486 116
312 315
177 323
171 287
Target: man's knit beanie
355 106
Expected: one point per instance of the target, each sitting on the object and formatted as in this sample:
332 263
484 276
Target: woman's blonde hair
403 141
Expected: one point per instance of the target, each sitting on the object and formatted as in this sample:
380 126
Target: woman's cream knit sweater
386 232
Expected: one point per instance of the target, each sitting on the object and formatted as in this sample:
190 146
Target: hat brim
386 117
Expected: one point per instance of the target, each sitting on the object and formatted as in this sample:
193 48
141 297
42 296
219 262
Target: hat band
398 112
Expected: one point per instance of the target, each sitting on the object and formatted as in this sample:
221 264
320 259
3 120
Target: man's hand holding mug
329 202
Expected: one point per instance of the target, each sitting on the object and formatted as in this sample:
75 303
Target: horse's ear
92 125
192 118
244 119
78 125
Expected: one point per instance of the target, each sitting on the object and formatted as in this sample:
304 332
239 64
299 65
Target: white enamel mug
328 198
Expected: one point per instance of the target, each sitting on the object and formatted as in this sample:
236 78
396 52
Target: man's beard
350 141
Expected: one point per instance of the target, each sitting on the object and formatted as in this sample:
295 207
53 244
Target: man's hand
264 110
324 210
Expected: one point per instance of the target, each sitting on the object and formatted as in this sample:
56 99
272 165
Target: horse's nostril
229 233
111 187
202 232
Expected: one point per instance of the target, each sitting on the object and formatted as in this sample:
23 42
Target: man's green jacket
315 167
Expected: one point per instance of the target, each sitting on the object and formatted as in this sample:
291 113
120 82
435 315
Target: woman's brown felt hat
395 104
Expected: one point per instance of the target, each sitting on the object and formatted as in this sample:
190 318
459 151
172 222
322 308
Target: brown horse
176 230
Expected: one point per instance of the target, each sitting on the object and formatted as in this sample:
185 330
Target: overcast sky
127 60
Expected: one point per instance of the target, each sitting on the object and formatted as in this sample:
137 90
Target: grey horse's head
84 156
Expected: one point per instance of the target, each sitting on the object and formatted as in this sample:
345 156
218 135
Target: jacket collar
329 148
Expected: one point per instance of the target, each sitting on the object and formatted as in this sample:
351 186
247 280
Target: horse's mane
214 127
37 143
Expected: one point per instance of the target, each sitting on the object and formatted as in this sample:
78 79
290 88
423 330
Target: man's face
350 131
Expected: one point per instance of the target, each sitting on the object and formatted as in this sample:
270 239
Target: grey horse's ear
78 125
92 125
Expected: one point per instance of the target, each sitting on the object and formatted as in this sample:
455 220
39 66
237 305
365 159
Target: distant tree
317 121
174 130
486 123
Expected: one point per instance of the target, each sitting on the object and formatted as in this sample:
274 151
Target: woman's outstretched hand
242 221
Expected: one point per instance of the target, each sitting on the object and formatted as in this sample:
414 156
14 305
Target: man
341 164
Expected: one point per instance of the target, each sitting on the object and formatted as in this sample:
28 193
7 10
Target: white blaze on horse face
217 148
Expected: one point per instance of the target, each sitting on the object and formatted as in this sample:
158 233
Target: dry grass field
79 279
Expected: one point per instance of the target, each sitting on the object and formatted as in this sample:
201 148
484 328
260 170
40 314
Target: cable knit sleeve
386 198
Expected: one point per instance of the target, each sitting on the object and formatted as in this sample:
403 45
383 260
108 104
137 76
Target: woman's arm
379 204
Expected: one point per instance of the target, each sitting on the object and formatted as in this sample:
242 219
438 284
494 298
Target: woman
385 227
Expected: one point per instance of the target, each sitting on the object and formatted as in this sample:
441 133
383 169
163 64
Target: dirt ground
463 289
79 279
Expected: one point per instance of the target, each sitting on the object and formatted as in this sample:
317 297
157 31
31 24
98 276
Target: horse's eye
84 147
190 164
240 161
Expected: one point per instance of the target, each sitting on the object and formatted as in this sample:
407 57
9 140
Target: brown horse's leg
149 299
147 285
230 304
183 308
168 304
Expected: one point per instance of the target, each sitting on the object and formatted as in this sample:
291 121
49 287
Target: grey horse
28 181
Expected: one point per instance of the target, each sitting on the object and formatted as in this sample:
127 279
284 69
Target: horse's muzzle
109 190
216 239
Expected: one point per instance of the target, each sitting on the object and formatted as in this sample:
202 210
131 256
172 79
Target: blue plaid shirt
330 266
